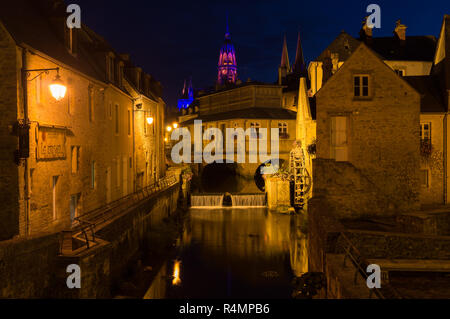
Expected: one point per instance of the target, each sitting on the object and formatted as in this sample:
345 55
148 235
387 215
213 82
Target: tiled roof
431 99
414 48
28 25
39 24
276 113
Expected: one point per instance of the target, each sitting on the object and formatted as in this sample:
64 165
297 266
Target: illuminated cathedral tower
227 67
187 96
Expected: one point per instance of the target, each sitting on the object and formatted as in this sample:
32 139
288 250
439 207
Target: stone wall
9 212
33 268
26 266
349 193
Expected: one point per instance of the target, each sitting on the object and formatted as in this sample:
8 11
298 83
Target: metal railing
88 222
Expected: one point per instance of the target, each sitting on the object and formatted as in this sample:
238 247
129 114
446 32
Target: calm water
234 253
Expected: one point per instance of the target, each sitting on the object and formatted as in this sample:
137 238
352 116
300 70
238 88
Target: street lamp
169 128
57 87
150 120
175 125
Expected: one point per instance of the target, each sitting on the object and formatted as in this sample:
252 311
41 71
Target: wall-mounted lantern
57 87
150 120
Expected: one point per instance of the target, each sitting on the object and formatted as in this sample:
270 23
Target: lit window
116 115
75 158
361 85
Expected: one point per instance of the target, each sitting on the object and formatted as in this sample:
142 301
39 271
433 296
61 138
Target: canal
233 253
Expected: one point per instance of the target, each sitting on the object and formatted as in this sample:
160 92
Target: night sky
173 40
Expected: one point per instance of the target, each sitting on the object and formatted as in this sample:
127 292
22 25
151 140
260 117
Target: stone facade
88 149
382 129
243 107
9 77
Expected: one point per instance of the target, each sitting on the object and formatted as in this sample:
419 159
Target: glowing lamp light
166 139
169 128
175 125
176 273
58 89
150 120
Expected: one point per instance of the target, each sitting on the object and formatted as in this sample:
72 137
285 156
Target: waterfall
252 200
206 200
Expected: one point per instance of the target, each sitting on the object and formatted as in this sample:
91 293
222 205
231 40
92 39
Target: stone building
368 140
62 158
419 62
236 104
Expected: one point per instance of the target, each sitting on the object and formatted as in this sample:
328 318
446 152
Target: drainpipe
134 148
26 120
445 156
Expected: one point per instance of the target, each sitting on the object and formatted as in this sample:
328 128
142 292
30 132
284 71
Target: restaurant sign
51 143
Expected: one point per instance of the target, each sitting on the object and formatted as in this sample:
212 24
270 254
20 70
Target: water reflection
176 273
237 253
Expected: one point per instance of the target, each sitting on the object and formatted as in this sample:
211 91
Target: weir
237 200
207 200
252 200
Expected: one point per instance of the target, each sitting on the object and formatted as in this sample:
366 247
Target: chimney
327 67
400 31
365 34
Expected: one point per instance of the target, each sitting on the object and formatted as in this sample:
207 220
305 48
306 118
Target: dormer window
120 74
138 79
400 72
147 85
110 67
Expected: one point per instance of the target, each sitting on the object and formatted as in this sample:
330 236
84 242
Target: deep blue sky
172 40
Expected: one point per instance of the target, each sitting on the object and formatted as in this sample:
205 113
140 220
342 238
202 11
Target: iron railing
86 224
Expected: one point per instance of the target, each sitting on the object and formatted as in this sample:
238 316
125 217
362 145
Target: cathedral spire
227 66
299 64
184 88
285 57
285 67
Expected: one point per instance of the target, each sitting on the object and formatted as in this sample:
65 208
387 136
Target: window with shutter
339 141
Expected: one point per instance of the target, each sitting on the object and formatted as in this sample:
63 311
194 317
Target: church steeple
299 64
227 66
285 67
